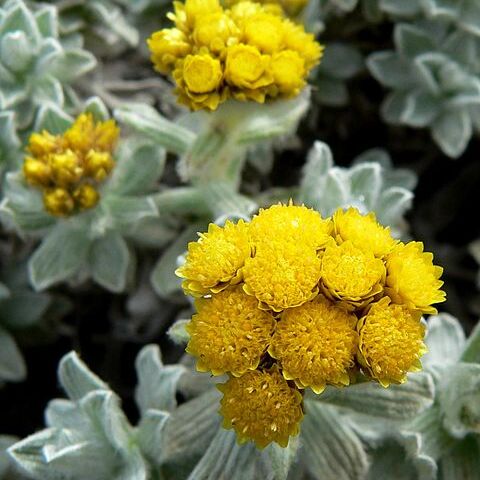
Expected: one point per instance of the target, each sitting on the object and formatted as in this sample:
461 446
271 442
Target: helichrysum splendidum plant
291 301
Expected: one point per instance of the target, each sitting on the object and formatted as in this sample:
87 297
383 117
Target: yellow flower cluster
291 301
246 52
69 167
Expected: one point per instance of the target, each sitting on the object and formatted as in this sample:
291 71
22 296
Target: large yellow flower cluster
291 301
69 167
247 52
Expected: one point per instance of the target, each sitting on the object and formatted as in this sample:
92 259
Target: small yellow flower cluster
291 301
247 52
69 167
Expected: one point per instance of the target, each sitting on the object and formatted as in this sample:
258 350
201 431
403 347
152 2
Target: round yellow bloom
167 46
291 223
58 202
37 172
196 9
351 274
216 31
215 260
229 333
282 274
264 31
68 167
363 231
288 70
412 279
260 406
295 38
315 344
391 342
86 196
246 67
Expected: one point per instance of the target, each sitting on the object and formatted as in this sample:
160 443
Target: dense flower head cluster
249 51
291 300
68 168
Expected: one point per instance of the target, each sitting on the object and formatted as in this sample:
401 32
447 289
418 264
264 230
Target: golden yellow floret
292 8
247 52
68 167
351 274
390 342
363 231
290 223
413 279
166 47
261 407
215 260
58 202
229 334
282 274
315 344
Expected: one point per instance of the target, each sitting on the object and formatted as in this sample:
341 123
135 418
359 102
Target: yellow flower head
315 344
216 259
282 275
68 167
261 406
291 8
363 231
391 342
247 52
412 279
290 223
351 274
229 333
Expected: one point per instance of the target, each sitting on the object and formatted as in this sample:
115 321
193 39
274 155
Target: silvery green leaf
157 383
19 17
72 64
399 456
8 135
163 132
331 92
336 192
127 211
178 333
393 203
462 462
435 440
452 132
222 200
470 17
224 458
97 108
182 200
23 309
390 69
366 182
24 205
163 277
405 8
12 365
16 51
471 353
445 341
279 459
5 464
47 21
48 90
272 120
396 402
331 449
53 119
459 395
139 166
423 109
150 434
61 254
76 378
109 261
191 427
341 61
396 107
411 40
